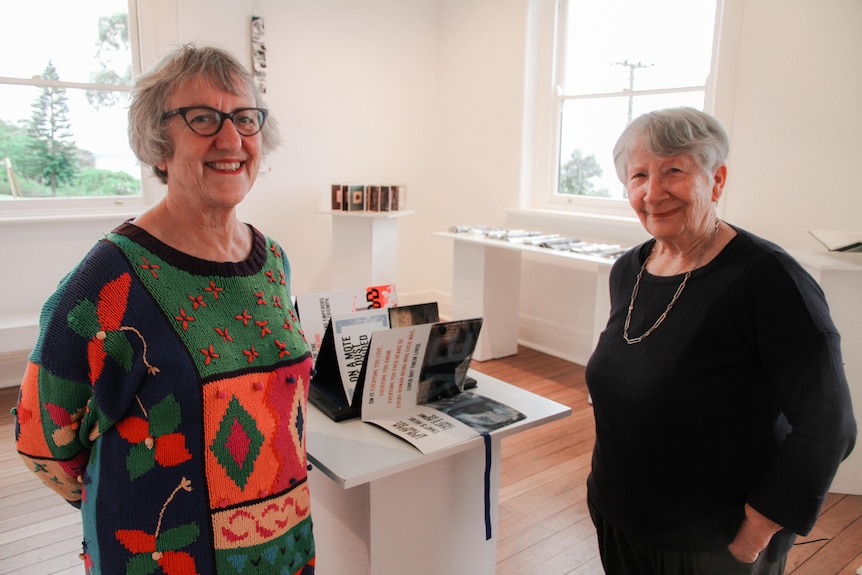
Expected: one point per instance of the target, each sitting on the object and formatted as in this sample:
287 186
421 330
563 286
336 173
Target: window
65 79
615 60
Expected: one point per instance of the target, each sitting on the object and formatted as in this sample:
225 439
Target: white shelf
364 248
486 282
368 215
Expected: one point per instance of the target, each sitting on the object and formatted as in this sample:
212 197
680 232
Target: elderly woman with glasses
721 404
166 396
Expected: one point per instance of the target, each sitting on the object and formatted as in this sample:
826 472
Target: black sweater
739 396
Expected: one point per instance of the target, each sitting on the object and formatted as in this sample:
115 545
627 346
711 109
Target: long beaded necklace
633 340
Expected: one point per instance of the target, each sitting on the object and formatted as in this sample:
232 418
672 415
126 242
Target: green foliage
113 41
14 144
51 147
113 33
576 175
17 145
44 157
93 182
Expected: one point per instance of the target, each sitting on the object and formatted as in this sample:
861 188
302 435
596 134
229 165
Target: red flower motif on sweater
197 301
67 423
210 354
101 324
243 317
264 331
185 319
282 349
215 290
251 354
154 438
162 550
223 332
150 267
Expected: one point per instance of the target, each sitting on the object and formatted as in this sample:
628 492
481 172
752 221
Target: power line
632 66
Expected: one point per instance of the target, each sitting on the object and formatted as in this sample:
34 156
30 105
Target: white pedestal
420 521
381 507
364 248
486 283
840 276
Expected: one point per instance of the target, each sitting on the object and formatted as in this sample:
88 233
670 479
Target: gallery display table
364 247
486 282
382 507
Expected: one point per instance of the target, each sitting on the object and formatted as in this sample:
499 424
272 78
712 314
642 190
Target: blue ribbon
487 438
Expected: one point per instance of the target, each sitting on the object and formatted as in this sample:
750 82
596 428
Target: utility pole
632 67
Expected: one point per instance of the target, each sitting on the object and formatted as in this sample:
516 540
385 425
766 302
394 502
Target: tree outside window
63 126
619 59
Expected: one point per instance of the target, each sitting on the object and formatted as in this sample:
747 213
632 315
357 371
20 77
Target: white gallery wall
430 94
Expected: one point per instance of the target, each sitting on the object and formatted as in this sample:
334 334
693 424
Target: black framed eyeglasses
206 121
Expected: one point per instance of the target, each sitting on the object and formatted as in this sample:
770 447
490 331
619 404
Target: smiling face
672 196
210 172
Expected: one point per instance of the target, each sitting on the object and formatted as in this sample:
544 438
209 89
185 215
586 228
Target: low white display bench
364 247
382 507
486 282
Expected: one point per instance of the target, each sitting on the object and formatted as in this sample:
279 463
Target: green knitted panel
286 555
63 403
226 323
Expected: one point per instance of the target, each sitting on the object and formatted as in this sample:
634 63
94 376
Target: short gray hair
674 132
147 131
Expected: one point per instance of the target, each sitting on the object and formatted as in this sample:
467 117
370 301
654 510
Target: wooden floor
544 525
543 529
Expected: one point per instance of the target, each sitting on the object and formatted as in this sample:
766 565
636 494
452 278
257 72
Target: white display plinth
364 248
382 507
486 282
840 277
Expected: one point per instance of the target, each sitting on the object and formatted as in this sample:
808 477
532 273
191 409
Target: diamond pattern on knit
237 443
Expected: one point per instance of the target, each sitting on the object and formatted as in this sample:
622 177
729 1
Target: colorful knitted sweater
166 396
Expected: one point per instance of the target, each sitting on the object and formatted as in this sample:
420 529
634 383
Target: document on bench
413 384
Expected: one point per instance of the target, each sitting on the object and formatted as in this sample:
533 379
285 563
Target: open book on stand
414 386
335 387
315 309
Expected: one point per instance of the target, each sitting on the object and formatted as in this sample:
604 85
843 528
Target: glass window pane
69 35
590 128
614 45
57 140
621 48
87 146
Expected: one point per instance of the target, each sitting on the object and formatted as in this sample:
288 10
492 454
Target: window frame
87 207
545 54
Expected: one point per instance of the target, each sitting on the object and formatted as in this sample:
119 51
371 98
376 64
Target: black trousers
624 555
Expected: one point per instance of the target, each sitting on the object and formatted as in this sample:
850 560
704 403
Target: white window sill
27 218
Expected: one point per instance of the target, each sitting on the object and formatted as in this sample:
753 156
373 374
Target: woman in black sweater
722 409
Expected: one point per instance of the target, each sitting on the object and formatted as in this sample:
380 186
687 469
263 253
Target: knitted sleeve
60 412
